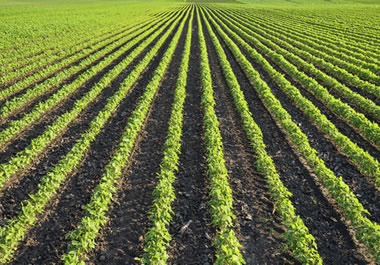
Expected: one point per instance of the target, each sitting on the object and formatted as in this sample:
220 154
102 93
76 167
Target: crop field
189 132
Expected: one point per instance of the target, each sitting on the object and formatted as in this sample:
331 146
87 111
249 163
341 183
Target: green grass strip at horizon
330 48
301 242
369 130
14 231
52 69
325 36
24 158
367 105
158 237
220 194
364 162
102 49
366 231
15 127
83 237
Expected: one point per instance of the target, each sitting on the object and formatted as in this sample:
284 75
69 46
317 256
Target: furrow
157 238
220 194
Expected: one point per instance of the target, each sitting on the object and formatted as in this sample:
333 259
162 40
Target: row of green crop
301 242
220 194
16 228
313 41
101 50
365 104
324 36
344 68
369 130
37 145
83 237
157 238
366 231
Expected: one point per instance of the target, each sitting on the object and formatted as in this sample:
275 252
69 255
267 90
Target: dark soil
193 246
258 229
122 239
334 241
